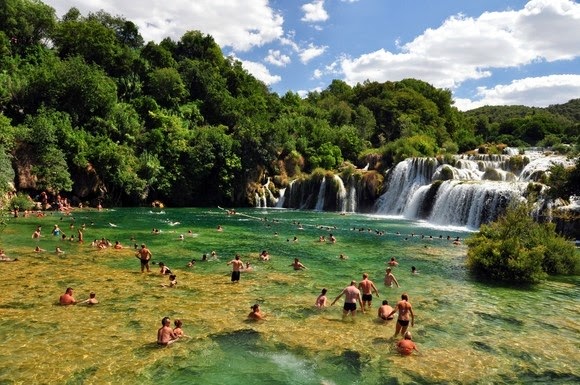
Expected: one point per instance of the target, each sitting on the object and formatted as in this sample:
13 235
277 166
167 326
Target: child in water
321 301
177 330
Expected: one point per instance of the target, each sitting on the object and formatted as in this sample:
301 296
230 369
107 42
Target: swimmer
58 250
405 309
343 257
164 270
172 281
177 330
144 255
393 262
67 298
5 258
191 263
406 345
321 300
264 256
385 310
390 278
414 270
219 228
165 335
92 300
248 268
352 296
237 265
367 287
37 249
297 265
118 245
256 314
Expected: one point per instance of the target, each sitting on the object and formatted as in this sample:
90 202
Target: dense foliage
87 108
517 249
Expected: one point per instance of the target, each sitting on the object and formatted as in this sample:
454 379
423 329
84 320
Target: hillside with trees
90 110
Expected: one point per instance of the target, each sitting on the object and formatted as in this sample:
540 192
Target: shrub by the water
515 248
21 201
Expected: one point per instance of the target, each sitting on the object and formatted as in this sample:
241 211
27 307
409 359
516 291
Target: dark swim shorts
403 322
367 297
235 276
349 306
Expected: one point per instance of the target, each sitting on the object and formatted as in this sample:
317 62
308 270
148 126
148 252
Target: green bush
517 249
21 202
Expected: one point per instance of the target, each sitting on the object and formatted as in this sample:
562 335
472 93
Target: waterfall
341 195
271 196
472 203
321 193
404 180
261 201
539 165
282 198
352 197
468 191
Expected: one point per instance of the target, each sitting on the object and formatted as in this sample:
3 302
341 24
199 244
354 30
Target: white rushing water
468 191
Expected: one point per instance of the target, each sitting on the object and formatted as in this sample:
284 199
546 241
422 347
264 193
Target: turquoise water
467 332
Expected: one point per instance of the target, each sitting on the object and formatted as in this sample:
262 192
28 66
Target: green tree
564 181
72 86
166 87
6 172
52 171
26 23
518 249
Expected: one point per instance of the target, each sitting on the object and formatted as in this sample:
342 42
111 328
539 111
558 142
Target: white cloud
314 12
277 58
260 72
304 93
239 24
465 48
533 92
311 52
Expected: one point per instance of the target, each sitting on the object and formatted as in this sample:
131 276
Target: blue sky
487 52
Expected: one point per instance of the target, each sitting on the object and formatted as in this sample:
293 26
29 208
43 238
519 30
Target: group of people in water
68 299
360 293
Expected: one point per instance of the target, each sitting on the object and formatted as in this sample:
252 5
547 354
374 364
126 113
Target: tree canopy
178 121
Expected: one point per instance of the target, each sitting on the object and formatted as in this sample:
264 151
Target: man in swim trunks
367 287
145 256
352 295
405 309
237 266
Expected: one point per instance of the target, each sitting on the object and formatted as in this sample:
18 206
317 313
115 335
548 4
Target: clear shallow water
467 332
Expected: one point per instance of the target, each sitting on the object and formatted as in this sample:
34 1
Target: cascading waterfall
352 197
472 203
282 198
321 195
407 176
341 194
469 191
